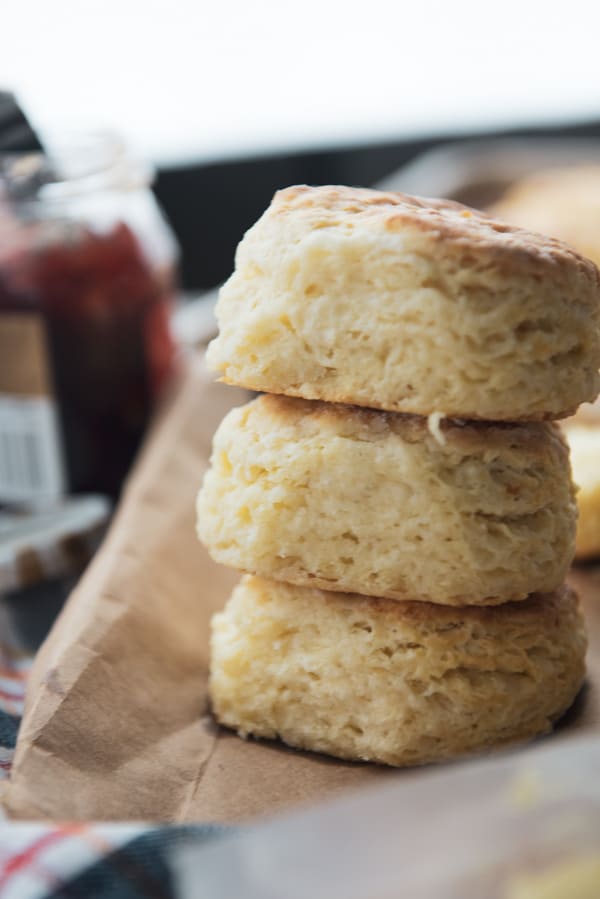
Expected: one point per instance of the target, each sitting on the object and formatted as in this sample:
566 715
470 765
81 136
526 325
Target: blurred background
139 140
230 100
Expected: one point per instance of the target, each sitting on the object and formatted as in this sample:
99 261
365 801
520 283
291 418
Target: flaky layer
420 306
386 505
398 683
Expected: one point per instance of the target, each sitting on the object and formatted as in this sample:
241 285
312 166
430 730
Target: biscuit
399 683
410 305
386 504
563 202
584 440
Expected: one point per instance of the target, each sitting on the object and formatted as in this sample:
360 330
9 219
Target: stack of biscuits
400 498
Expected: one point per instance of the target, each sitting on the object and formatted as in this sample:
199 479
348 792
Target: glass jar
87 282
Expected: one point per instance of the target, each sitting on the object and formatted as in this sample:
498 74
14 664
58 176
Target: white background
205 80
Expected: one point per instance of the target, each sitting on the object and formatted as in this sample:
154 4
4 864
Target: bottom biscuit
401 683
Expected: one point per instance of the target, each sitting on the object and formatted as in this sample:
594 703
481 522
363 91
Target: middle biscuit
385 504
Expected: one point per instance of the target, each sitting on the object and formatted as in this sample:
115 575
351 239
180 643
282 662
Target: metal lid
57 541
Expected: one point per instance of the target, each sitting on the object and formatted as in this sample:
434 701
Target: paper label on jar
31 463
24 367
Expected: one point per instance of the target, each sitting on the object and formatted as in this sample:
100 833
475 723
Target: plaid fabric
74 861
91 861
15 662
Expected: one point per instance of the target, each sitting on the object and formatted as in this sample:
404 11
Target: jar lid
74 164
40 545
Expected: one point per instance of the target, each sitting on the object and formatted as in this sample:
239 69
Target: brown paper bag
117 723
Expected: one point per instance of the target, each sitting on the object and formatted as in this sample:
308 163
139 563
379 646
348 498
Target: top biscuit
411 305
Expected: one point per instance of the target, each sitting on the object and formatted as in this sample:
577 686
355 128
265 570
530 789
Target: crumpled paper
117 723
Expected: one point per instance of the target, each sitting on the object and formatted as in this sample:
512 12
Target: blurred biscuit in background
560 202
564 202
583 435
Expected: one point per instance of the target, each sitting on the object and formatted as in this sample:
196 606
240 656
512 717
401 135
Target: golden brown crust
441 220
538 606
473 417
466 436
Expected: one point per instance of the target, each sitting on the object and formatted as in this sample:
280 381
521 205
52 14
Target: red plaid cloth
15 663
74 861
93 861
37 860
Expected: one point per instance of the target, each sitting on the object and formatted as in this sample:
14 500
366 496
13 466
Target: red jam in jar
87 281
